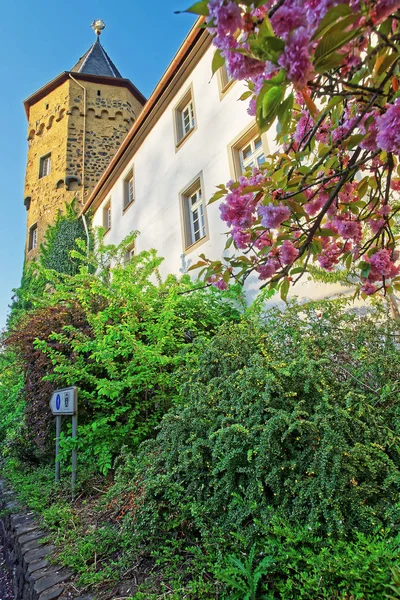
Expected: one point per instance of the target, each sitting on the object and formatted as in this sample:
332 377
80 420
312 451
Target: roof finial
98 26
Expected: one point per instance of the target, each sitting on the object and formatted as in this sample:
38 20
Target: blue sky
39 40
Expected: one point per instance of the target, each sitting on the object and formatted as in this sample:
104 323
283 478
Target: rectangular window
45 165
193 214
196 216
185 117
129 190
107 216
252 154
130 253
33 237
224 81
247 151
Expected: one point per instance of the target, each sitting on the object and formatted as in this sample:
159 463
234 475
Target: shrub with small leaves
293 417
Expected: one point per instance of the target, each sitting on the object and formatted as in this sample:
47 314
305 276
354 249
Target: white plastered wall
162 172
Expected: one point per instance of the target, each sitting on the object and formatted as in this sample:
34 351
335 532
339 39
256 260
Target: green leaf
218 61
386 63
329 44
268 104
327 233
199 264
330 62
284 289
334 101
216 196
353 140
331 18
343 24
362 187
198 8
365 268
246 95
285 114
226 276
278 79
267 47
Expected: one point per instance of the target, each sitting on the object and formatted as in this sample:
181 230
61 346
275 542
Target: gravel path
5 583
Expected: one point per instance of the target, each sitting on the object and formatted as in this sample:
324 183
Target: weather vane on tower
98 26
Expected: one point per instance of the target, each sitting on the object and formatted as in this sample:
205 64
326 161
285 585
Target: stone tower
76 123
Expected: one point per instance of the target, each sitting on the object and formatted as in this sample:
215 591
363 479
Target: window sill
184 138
125 208
225 89
193 247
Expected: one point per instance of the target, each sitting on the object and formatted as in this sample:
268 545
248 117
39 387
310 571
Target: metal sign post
65 402
58 433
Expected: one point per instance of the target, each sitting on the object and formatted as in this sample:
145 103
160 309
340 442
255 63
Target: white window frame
185 110
33 237
237 162
256 151
187 116
107 217
129 190
195 229
45 165
197 217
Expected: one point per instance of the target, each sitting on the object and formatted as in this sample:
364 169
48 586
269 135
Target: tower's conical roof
96 62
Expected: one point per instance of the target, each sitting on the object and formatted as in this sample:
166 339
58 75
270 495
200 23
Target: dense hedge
287 430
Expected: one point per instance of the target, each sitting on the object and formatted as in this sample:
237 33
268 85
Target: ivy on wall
60 239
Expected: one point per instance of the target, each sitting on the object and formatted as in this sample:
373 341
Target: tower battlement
76 123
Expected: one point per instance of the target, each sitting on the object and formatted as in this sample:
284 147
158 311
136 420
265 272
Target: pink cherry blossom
348 228
329 256
272 216
240 237
388 126
226 15
268 269
296 58
289 16
368 288
288 252
383 9
218 282
382 264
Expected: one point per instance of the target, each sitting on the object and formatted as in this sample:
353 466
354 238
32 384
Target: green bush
120 333
295 418
11 399
292 563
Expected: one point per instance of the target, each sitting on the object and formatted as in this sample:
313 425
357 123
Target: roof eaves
147 109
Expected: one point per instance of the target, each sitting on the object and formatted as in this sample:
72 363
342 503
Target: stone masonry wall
56 126
47 133
27 559
111 112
